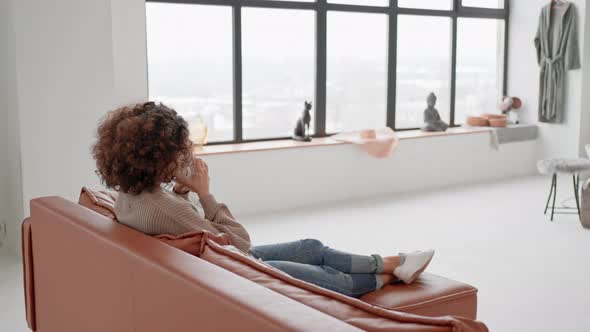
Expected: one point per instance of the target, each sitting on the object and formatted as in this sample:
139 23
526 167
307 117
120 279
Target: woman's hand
198 180
179 189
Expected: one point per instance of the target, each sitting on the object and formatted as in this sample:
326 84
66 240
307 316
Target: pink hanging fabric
378 143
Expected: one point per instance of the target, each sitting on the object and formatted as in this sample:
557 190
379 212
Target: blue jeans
310 260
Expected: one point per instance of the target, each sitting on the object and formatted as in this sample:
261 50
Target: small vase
198 131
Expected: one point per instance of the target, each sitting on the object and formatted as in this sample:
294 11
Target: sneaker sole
419 272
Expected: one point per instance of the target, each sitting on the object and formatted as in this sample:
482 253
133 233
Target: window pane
423 66
193 78
427 4
362 2
480 63
484 3
278 52
357 71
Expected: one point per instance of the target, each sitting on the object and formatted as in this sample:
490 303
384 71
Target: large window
479 69
427 4
190 63
423 66
356 88
278 69
245 67
484 3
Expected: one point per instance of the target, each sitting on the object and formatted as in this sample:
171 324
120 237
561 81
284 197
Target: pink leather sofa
84 272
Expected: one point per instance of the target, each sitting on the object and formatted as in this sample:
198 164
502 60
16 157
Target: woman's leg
354 285
314 252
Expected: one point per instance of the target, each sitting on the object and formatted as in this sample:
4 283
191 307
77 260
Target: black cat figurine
301 132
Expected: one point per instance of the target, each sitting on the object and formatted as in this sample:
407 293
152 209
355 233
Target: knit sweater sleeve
218 219
222 217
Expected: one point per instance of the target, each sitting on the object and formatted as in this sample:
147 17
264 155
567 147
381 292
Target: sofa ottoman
430 295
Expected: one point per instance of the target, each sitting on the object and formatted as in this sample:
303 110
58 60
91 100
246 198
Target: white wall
71 69
65 68
6 85
129 51
585 117
10 176
555 140
260 181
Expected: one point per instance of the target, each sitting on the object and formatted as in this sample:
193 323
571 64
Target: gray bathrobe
557 52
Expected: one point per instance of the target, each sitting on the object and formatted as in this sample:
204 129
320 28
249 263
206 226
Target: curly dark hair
141 146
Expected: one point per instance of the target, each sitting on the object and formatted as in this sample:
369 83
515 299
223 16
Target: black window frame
322 7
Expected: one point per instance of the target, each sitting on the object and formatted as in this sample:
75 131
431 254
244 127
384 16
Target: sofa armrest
90 274
28 278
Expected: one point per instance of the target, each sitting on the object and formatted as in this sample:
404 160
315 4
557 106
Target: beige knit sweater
165 212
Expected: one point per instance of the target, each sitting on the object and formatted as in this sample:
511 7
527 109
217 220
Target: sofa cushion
430 295
192 242
101 202
353 311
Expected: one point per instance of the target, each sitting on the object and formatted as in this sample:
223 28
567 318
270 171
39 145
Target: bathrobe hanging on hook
557 52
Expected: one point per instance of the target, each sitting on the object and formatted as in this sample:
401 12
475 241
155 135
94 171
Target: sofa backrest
85 273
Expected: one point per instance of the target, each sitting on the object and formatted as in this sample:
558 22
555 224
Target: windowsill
209 150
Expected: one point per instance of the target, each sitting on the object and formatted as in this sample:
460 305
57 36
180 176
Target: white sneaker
414 264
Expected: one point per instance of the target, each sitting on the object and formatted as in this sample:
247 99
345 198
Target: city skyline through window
192 64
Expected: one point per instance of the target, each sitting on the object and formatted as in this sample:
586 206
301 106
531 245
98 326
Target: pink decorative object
379 143
477 121
498 122
494 116
510 104
369 134
506 105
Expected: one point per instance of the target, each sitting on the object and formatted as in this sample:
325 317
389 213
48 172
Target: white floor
12 299
532 275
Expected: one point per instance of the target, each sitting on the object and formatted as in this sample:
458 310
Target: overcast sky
178 31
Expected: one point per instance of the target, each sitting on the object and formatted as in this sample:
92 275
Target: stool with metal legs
553 193
571 167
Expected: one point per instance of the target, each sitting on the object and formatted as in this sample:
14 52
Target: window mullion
237 71
392 64
321 64
453 68
506 45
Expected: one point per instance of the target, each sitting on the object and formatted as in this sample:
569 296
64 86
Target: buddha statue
432 120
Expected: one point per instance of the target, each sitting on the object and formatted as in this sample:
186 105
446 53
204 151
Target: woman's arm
219 214
216 213
183 214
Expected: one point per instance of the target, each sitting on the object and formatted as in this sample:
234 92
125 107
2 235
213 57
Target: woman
142 149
